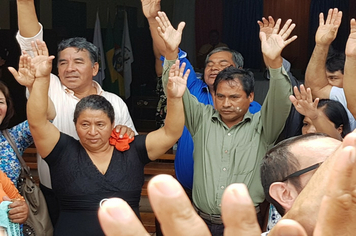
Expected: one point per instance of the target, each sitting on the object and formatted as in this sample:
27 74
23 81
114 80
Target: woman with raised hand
95 167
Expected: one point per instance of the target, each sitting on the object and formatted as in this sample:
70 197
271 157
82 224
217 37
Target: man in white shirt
77 64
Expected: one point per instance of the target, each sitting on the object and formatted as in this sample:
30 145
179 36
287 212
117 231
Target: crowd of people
234 175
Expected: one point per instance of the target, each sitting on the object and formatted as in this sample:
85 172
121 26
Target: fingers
270 21
18 212
118 219
174 70
290 40
287 227
321 19
276 27
338 206
238 212
122 130
173 209
39 48
352 26
186 75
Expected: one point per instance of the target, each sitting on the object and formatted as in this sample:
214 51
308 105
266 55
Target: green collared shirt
223 155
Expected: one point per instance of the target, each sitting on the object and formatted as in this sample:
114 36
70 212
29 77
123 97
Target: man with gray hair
77 64
217 60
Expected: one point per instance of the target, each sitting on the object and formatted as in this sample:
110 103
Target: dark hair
80 44
336 113
10 108
94 102
237 58
231 73
335 61
279 162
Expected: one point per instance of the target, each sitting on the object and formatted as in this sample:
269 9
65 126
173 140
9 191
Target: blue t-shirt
184 163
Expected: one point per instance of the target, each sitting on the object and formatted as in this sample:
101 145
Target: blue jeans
215 229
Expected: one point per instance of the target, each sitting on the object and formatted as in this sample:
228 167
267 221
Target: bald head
292 155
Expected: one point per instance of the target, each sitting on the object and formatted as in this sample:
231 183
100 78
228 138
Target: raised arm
276 107
315 75
150 9
26 76
27 18
350 69
159 141
305 105
44 133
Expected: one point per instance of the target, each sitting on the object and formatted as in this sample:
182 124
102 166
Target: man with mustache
230 141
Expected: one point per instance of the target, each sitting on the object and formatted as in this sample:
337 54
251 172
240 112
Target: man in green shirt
229 141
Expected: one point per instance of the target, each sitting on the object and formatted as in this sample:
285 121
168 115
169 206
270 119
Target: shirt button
219 205
224 169
225 151
222 187
229 134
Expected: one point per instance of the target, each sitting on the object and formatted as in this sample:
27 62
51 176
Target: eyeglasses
302 171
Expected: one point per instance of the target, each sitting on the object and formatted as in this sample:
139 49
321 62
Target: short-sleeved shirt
80 186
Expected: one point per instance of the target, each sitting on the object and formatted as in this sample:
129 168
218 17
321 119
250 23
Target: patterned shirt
9 163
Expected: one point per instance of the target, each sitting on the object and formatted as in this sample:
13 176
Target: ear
95 69
251 96
340 129
284 193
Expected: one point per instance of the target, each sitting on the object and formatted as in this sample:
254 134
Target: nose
70 67
227 102
311 130
92 130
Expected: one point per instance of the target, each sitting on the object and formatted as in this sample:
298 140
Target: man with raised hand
77 64
350 69
202 89
230 141
315 75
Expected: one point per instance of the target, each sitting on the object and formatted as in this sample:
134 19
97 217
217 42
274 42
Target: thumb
181 27
13 72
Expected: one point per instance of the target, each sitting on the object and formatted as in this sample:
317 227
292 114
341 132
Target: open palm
172 37
351 42
327 29
177 82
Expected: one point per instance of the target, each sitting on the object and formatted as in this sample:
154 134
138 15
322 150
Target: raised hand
303 102
266 26
26 73
41 61
350 50
150 8
273 46
327 30
172 37
177 82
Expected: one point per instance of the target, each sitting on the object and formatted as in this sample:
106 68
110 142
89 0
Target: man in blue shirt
202 89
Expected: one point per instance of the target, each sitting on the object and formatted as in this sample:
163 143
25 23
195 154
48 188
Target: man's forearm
27 18
315 75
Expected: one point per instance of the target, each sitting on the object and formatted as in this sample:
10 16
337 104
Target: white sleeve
25 43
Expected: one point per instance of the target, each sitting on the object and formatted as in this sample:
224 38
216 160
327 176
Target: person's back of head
81 44
337 114
280 162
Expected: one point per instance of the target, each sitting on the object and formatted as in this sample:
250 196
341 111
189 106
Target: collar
99 90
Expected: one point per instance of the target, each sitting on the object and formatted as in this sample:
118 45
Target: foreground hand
177 216
350 50
18 211
177 82
150 8
303 102
122 129
327 29
172 37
